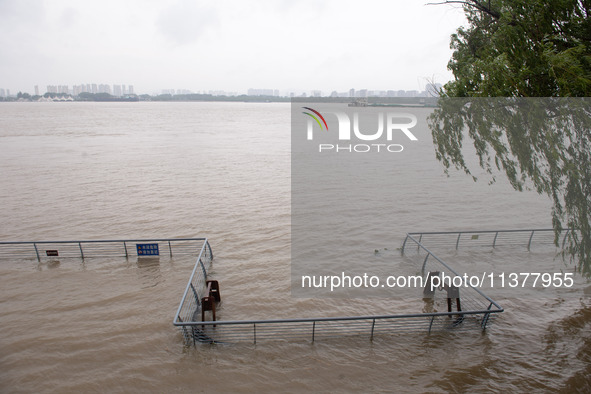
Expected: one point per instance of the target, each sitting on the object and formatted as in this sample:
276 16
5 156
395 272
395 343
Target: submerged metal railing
102 248
313 329
489 238
475 313
190 305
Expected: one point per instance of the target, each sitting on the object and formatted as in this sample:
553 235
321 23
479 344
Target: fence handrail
201 331
451 269
342 318
459 234
482 231
100 241
197 263
102 247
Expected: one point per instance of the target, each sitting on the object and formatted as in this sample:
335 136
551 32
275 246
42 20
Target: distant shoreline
103 97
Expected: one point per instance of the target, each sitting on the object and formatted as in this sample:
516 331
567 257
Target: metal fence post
209 248
203 268
530 238
37 251
495 240
195 294
485 318
425 263
404 244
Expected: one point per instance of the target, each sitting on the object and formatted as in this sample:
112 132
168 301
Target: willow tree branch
474 4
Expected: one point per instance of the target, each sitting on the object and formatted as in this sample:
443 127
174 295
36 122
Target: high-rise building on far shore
116 90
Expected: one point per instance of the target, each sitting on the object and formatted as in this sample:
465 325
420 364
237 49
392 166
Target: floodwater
72 171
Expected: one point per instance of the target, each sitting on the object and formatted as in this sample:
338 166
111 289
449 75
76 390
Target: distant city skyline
119 90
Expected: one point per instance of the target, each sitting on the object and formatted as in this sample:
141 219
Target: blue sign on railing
147 249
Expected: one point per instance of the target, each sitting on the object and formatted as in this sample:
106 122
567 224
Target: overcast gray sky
229 45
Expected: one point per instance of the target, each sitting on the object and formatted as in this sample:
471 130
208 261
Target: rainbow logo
315 118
